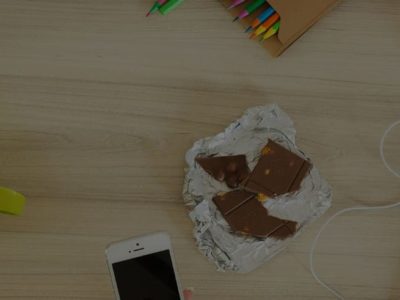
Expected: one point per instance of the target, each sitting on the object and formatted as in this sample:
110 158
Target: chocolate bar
246 215
278 171
229 169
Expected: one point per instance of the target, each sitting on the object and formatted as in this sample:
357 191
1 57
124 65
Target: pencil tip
235 19
248 29
148 14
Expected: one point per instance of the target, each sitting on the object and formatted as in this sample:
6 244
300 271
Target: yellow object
266 150
11 202
266 25
272 31
262 198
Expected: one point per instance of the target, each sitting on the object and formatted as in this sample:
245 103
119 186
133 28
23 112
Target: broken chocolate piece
287 229
230 201
278 171
229 169
245 214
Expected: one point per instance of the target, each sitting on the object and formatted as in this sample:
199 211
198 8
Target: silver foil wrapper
248 135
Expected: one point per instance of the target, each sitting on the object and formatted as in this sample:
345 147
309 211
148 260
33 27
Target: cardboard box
297 16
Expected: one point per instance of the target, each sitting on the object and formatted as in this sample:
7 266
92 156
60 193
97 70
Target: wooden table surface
98 106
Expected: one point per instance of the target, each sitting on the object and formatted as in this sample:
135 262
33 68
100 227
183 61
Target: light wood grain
99 104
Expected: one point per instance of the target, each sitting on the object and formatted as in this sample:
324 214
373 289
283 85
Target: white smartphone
143 268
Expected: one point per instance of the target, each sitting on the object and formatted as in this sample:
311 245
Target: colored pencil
272 31
156 7
252 7
261 18
235 3
170 5
266 25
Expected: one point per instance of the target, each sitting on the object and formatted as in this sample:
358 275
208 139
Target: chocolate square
246 215
228 202
229 169
278 171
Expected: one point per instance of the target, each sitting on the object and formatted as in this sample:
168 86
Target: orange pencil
261 18
266 25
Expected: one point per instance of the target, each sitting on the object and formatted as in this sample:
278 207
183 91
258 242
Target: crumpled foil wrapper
248 135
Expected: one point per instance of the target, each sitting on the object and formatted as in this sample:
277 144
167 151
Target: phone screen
148 277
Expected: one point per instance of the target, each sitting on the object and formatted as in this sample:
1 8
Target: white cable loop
346 210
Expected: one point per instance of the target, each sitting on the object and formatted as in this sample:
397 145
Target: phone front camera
137 244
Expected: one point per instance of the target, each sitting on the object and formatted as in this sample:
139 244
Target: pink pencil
252 7
236 3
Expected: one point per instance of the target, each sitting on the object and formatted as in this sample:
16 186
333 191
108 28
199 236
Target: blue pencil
261 18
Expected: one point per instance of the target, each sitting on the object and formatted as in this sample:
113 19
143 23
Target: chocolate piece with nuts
246 215
229 169
278 171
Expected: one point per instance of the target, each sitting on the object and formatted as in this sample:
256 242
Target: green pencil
156 7
170 5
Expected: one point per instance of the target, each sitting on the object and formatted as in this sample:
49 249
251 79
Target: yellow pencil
272 31
266 25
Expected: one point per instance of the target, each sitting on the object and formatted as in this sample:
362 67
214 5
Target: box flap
296 15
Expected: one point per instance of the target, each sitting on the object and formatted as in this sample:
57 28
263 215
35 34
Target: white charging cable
346 210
